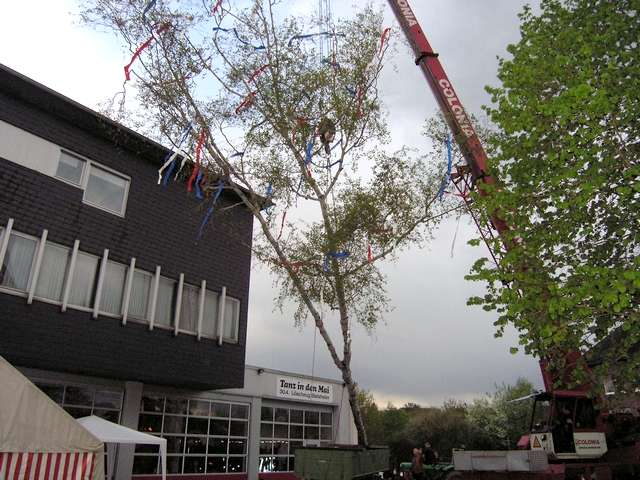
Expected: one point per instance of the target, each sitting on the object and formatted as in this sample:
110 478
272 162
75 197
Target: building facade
114 306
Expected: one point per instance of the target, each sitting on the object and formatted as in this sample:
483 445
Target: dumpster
340 462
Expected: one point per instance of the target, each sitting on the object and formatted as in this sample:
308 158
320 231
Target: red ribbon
384 37
216 7
246 103
163 28
196 168
284 216
258 72
369 254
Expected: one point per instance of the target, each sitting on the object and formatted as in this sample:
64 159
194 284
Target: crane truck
572 434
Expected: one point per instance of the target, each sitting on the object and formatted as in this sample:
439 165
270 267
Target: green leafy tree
500 418
310 130
567 152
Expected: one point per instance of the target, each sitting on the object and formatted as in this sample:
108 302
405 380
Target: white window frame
84 180
84 168
35 274
171 328
5 247
237 332
68 266
95 285
115 173
178 316
150 301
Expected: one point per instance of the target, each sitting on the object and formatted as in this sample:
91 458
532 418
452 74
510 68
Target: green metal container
340 462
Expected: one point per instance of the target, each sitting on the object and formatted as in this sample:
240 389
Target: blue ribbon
206 218
447 177
169 171
337 255
235 32
351 90
237 154
199 195
308 152
268 194
149 6
311 35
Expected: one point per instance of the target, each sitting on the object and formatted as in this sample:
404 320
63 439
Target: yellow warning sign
536 443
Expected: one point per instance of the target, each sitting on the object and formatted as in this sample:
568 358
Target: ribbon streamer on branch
386 33
214 200
127 75
215 8
240 39
149 6
337 255
170 158
284 216
257 73
196 168
311 35
246 102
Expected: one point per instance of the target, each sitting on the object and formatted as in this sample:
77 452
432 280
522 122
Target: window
106 190
18 260
202 436
210 317
283 429
70 168
102 187
83 400
585 414
140 295
165 303
189 308
231 316
84 276
53 270
113 288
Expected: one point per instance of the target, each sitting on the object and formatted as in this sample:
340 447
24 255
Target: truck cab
564 425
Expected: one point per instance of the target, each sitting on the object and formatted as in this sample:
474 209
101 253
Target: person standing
417 465
429 456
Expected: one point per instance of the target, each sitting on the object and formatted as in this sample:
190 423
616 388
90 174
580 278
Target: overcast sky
432 346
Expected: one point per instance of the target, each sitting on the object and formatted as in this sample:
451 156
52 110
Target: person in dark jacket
429 455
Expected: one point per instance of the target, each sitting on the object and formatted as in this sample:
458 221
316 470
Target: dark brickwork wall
159 228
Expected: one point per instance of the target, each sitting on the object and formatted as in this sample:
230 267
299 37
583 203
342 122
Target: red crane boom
454 113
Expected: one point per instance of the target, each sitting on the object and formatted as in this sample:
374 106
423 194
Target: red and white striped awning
47 466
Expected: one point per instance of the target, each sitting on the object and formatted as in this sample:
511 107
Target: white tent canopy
110 432
30 422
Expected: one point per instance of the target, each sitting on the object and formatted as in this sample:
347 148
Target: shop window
239 411
113 288
18 260
53 271
106 190
201 435
83 282
282 430
85 400
70 168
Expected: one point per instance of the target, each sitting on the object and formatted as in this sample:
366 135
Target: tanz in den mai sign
301 389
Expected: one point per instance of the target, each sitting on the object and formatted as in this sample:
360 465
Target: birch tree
300 139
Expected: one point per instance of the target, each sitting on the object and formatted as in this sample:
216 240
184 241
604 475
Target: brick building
112 307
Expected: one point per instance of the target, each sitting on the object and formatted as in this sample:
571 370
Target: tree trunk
352 389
